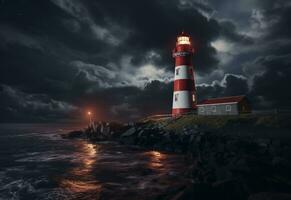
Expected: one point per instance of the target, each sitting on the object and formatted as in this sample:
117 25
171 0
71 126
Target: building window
193 98
176 97
228 108
213 108
202 109
177 71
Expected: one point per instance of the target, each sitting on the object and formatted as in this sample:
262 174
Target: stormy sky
59 58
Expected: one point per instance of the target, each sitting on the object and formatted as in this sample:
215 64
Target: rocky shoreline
221 166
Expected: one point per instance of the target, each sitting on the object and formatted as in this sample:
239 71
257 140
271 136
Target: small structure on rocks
233 105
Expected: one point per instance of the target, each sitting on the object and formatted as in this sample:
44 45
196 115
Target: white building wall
218 109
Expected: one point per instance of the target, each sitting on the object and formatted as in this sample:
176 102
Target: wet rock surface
220 166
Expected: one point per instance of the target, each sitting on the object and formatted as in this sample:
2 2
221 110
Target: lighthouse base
181 111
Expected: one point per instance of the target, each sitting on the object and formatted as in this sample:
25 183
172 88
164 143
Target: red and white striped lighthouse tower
184 97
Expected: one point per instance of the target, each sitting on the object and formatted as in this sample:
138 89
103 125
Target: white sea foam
15 169
15 188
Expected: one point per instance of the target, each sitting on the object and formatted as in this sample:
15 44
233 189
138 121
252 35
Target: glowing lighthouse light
184 97
89 113
183 40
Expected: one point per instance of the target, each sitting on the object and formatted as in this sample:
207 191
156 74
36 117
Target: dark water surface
35 163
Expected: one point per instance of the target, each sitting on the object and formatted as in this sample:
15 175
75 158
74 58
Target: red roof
232 99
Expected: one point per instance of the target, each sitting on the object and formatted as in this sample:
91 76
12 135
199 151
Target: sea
36 163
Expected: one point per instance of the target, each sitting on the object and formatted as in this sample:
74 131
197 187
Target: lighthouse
184 97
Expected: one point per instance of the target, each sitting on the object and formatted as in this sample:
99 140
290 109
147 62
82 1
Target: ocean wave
44 157
39 188
16 189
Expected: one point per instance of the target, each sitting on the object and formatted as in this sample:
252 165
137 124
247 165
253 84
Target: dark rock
129 132
223 173
140 133
264 142
270 196
73 134
230 189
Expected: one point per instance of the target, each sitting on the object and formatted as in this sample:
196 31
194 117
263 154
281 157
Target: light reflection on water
80 177
101 171
91 156
156 160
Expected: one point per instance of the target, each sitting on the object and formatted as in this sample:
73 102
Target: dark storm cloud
272 85
230 85
266 61
106 54
130 102
137 32
270 71
229 31
281 18
152 26
19 106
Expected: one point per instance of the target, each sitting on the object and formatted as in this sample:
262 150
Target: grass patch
218 122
